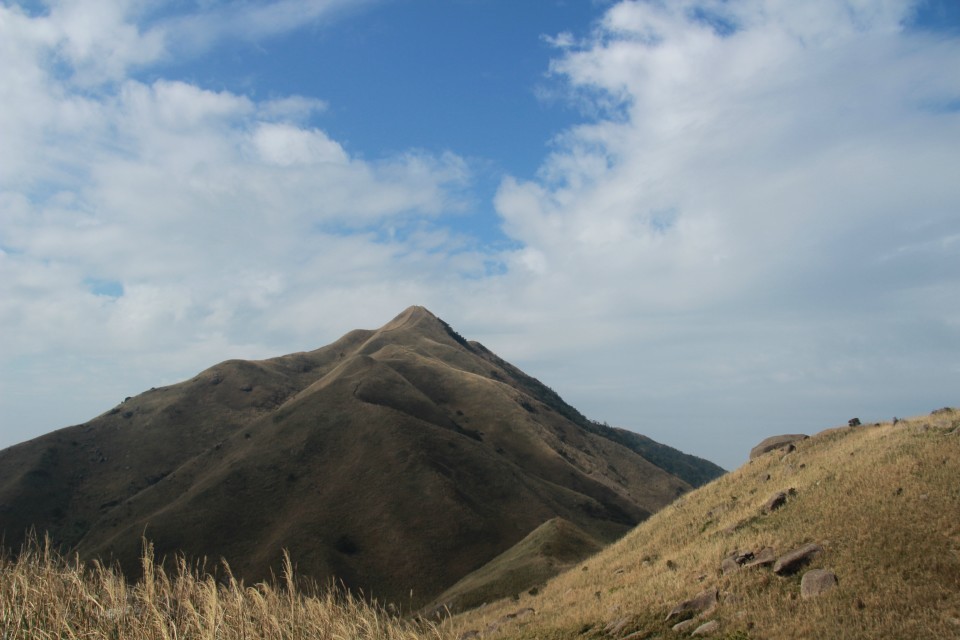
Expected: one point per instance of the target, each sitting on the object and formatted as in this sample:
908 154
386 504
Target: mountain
851 533
397 460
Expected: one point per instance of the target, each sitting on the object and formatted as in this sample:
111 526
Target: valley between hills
407 483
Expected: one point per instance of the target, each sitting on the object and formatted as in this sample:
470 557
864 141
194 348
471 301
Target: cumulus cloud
163 222
756 217
753 186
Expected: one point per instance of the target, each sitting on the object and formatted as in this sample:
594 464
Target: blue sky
704 220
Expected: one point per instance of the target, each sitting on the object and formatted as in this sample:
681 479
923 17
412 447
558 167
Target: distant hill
396 460
869 514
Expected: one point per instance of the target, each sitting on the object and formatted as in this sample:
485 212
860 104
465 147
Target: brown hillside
880 504
397 460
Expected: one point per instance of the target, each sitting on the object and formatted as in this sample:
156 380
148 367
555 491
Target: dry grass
883 500
45 596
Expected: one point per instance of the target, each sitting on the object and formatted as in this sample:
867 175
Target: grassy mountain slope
883 502
546 551
397 460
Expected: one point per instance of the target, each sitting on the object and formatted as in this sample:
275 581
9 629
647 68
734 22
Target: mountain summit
397 460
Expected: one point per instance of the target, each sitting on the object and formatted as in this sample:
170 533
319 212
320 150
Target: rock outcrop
793 561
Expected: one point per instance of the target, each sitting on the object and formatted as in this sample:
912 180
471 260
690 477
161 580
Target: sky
708 221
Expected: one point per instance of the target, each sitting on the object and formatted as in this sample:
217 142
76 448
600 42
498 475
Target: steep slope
546 551
396 460
879 503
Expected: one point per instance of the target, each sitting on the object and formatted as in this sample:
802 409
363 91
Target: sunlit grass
44 595
883 501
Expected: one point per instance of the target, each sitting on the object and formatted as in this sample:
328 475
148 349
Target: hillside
881 504
546 551
396 460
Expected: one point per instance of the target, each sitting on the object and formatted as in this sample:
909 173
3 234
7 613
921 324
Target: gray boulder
817 581
706 628
776 501
763 558
703 601
793 561
686 625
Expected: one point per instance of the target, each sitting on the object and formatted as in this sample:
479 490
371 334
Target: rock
817 581
776 442
729 565
614 627
683 627
493 627
775 502
706 628
518 615
763 558
731 529
733 562
703 601
792 562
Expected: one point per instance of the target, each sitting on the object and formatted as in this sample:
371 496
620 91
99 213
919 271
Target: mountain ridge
408 438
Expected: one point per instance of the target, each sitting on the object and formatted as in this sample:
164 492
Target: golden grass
45 596
883 500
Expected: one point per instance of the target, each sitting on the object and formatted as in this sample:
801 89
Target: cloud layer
754 229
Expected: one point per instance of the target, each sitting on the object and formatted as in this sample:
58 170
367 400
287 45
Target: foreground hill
876 507
397 460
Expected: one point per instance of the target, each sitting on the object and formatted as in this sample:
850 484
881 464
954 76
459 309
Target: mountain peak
416 317
414 313
408 429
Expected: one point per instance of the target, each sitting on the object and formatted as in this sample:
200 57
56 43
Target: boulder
706 628
817 581
729 565
793 561
686 625
703 601
615 627
734 561
763 558
776 442
776 501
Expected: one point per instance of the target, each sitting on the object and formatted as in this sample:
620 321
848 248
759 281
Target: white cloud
285 145
755 166
753 229
250 20
204 212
